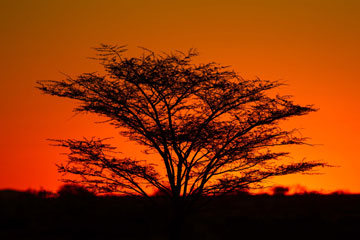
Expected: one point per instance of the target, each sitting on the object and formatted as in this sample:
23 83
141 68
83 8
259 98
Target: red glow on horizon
298 190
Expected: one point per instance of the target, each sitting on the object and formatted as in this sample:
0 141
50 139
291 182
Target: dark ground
309 216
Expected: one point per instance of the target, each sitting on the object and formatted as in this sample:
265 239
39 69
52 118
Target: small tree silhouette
73 190
213 130
280 190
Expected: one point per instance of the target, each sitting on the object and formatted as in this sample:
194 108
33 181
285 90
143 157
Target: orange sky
313 45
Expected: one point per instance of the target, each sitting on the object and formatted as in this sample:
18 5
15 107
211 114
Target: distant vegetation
75 213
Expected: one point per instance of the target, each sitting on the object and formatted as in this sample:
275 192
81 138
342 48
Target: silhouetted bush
74 190
280 190
42 193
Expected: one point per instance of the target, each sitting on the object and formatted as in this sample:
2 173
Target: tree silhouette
213 130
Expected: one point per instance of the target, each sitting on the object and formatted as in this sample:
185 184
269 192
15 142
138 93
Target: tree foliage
214 131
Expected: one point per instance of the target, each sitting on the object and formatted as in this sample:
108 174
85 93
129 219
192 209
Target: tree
213 130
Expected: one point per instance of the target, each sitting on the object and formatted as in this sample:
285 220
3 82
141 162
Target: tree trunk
177 221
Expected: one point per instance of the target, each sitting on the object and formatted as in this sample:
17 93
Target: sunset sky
312 45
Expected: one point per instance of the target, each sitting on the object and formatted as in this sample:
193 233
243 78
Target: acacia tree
213 130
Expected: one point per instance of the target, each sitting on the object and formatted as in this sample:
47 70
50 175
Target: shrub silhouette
73 190
280 190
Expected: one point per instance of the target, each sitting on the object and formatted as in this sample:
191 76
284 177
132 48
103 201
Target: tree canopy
214 131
